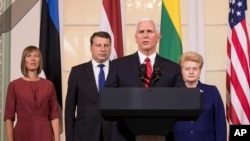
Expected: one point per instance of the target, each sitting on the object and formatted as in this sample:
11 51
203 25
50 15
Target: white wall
25 33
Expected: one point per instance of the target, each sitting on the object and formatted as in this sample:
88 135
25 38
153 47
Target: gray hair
147 19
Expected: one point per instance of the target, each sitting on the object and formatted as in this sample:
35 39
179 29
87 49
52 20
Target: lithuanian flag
170 43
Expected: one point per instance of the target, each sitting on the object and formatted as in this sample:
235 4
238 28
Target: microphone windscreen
142 71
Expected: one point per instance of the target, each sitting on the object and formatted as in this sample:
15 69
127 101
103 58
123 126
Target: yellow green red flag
170 44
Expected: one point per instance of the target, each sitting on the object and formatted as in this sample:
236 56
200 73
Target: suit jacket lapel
136 68
90 76
157 68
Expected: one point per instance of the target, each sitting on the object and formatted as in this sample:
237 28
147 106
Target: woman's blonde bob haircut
191 56
26 51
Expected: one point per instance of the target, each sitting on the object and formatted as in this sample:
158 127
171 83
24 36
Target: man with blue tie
144 68
83 121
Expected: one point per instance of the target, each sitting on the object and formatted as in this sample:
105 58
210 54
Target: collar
151 57
199 86
95 64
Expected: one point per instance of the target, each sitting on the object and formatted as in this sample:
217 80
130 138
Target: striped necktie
149 72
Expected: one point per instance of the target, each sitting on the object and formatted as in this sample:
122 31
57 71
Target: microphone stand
156 75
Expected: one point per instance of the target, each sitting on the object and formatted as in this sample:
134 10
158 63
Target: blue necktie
101 79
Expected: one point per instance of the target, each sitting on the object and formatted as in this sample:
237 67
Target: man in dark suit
129 70
83 121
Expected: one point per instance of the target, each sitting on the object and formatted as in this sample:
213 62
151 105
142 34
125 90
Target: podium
150 111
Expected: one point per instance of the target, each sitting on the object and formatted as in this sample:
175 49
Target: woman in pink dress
31 102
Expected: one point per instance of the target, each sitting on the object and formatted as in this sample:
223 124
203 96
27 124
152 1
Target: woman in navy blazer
211 124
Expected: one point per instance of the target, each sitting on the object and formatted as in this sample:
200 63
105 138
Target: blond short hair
191 56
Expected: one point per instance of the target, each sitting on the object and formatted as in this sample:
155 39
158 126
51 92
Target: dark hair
102 34
26 51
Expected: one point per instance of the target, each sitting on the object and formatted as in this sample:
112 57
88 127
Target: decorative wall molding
4 68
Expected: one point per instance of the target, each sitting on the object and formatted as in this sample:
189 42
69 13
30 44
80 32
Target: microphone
156 74
142 72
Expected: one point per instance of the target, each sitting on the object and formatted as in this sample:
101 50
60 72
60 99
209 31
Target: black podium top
150 111
153 102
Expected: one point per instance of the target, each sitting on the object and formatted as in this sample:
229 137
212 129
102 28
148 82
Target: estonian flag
50 45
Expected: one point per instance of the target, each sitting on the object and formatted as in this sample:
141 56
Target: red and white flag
237 77
111 22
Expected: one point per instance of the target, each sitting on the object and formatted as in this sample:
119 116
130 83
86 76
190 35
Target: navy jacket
125 72
83 121
211 124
